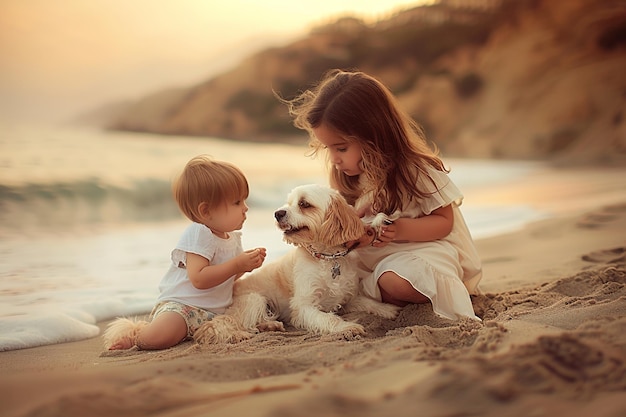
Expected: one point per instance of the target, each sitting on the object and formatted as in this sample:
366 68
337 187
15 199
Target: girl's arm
203 275
436 225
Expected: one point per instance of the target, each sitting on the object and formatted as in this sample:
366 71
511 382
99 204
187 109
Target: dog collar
335 270
329 256
326 256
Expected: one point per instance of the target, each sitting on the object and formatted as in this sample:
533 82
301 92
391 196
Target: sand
552 342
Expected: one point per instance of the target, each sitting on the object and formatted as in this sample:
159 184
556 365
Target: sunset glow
59 57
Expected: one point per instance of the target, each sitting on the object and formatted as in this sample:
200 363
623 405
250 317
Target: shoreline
551 341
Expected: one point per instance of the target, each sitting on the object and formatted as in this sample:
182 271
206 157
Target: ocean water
87 221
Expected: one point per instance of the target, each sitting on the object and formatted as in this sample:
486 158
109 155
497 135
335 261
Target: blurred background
63 58
102 102
486 78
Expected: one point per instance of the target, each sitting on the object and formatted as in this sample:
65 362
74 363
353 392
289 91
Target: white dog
309 284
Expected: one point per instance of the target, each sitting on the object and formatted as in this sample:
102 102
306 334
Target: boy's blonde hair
205 180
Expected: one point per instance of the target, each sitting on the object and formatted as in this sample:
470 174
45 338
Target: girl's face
345 156
227 217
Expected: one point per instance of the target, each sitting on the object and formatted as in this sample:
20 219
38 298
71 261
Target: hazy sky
62 57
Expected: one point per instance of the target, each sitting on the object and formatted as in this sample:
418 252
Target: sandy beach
101 108
552 342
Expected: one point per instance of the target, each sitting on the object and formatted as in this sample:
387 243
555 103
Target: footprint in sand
602 217
608 256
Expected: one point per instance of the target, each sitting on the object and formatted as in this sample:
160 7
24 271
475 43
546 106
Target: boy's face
345 156
227 217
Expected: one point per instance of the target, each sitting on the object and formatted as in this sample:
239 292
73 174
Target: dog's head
318 215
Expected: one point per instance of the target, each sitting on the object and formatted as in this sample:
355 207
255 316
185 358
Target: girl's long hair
361 109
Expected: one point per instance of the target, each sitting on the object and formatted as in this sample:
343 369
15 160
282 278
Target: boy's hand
251 259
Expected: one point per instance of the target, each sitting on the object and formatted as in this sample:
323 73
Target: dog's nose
279 214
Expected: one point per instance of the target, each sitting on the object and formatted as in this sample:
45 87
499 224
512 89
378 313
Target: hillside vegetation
508 79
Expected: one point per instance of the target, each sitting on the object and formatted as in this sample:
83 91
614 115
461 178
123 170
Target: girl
379 161
205 263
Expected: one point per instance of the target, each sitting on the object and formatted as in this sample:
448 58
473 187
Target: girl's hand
387 234
250 259
364 240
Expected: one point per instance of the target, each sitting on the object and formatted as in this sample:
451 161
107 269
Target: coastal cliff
531 79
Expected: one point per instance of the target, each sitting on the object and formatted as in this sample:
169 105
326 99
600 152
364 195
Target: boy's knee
164 331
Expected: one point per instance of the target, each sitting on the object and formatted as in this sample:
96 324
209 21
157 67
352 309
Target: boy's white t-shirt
176 286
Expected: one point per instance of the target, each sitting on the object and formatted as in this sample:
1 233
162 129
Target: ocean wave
92 201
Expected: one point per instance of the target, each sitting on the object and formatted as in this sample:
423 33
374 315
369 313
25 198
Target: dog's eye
304 204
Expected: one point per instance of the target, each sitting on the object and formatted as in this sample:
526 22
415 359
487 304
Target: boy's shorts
193 316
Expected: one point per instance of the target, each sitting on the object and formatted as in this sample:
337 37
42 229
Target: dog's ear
341 223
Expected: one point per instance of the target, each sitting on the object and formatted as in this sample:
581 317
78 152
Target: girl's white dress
176 286
446 271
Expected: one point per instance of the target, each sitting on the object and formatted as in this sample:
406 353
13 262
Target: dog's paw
221 329
205 334
349 330
388 311
380 220
208 335
239 336
271 326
